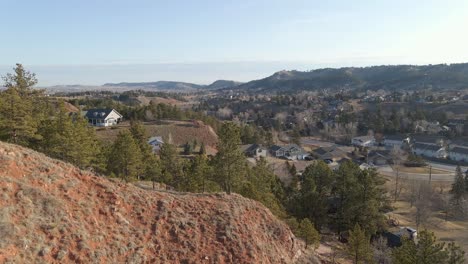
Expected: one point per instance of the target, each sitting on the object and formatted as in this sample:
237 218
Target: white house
156 143
103 117
430 150
458 153
392 141
364 141
290 152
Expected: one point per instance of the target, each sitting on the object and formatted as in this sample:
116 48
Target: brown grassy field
424 170
447 227
180 131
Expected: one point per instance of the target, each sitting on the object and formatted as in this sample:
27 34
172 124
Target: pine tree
455 254
125 157
18 122
202 149
171 165
458 190
426 251
68 138
199 177
316 186
308 232
230 163
188 149
359 247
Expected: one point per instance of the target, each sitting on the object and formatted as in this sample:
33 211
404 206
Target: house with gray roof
291 152
103 117
458 153
430 150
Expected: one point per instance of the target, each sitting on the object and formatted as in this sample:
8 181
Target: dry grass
454 229
422 170
180 131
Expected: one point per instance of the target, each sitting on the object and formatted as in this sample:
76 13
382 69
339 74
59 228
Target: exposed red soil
52 212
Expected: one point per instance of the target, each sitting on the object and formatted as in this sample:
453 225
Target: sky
98 41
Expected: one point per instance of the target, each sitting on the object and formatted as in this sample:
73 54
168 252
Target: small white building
392 141
103 117
458 153
430 150
156 143
364 141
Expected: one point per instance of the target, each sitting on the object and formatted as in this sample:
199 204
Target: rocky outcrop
52 212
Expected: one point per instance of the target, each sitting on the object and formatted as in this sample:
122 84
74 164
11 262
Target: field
424 170
180 131
447 227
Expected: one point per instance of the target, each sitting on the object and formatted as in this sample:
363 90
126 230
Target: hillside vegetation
53 212
400 77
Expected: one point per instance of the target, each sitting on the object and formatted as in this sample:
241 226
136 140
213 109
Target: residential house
430 150
291 152
458 153
103 117
392 141
329 154
255 151
379 157
363 141
457 125
156 143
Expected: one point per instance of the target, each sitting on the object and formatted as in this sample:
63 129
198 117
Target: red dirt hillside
52 212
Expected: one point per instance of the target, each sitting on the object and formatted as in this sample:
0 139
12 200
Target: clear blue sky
98 41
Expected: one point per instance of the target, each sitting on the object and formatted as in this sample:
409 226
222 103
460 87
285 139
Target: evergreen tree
230 164
458 190
188 148
455 254
150 165
308 233
199 177
296 136
426 251
261 185
316 186
202 149
360 197
125 157
171 165
69 138
18 118
359 247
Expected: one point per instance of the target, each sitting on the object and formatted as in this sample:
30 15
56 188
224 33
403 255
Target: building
103 117
392 141
458 153
329 154
156 143
379 157
430 150
255 151
290 152
364 141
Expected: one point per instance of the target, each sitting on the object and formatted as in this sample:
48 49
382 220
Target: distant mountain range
170 86
394 78
400 77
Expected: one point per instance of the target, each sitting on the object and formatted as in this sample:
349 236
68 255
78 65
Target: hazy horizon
196 73
95 42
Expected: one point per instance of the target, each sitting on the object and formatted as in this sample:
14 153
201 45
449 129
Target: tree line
348 199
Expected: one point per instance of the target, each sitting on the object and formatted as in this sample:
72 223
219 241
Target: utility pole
430 174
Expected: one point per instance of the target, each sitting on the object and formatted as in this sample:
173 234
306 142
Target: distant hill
399 77
222 84
160 85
